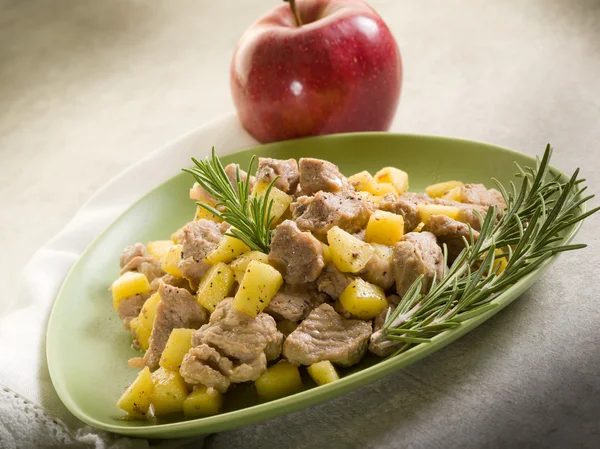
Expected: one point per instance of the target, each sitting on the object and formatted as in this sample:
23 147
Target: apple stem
294 11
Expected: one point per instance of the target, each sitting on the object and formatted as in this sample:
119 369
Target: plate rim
267 410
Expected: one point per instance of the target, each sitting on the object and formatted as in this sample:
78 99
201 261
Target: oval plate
88 349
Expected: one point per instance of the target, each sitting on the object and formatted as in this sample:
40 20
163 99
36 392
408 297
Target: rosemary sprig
249 216
527 234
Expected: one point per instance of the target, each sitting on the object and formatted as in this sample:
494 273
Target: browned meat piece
131 252
480 195
239 336
170 280
317 175
287 170
130 307
204 365
250 371
378 344
323 211
294 302
136 258
199 239
230 172
417 254
378 271
407 206
333 282
177 309
296 254
393 301
450 232
199 193
325 335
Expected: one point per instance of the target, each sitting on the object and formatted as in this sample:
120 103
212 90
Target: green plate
88 349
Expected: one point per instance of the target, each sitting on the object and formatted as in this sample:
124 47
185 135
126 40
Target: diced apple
427 210
348 253
323 372
394 176
385 228
215 286
129 284
202 213
240 264
136 399
202 402
281 200
363 181
259 284
362 299
141 326
438 190
159 248
170 391
171 261
228 249
278 381
178 345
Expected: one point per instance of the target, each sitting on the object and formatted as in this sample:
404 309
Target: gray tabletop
87 88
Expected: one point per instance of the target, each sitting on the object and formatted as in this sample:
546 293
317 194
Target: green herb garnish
249 216
528 234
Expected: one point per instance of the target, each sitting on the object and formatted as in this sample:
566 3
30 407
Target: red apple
339 71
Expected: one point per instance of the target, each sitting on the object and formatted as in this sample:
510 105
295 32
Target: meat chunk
287 170
136 258
406 205
450 232
480 195
319 175
393 301
204 365
296 254
325 335
230 171
325 210
333 282
130 307
199 193
170 280
177 309
239 336
378 271
417 254
199 239
378 344
294 302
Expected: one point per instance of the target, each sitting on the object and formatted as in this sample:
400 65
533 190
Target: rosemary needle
527 234
249 216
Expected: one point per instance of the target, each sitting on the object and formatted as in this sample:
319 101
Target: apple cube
170 391
282 379
202 402
385 228
178 345
323 372
136 399
215 286
129 284
348 253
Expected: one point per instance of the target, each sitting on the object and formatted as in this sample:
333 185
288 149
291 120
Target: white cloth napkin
31 414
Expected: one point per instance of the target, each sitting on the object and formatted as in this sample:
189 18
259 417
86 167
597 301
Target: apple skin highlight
340 71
